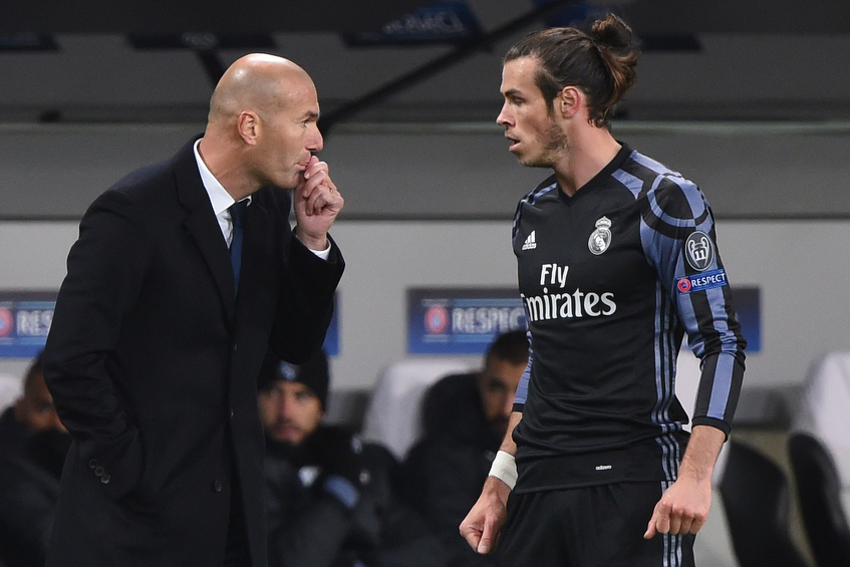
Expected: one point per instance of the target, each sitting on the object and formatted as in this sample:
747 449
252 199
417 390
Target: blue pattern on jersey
666 254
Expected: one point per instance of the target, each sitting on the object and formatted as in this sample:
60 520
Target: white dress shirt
222 201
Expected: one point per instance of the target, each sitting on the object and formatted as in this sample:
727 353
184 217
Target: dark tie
237 212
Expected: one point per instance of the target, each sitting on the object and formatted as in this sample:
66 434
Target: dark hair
315 374
602 63
511 346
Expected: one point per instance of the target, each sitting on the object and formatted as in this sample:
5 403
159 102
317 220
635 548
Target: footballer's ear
569 101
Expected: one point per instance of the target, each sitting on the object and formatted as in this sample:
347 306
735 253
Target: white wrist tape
504 468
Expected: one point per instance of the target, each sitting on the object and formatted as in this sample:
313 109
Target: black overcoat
152 361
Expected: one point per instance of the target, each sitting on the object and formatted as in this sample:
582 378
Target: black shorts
589 527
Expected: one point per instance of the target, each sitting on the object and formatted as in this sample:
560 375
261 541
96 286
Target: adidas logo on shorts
530 242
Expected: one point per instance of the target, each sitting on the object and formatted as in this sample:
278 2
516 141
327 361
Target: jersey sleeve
679 240
522 388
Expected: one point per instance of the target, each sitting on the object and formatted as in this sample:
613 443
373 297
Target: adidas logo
530 242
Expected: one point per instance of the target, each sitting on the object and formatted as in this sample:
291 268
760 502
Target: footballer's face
537 140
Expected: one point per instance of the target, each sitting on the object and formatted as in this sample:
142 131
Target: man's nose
502 118
317 142
284 406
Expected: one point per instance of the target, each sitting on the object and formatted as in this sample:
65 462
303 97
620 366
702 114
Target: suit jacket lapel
202 225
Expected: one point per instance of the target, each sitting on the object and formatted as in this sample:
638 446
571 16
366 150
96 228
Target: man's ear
248 125
569 101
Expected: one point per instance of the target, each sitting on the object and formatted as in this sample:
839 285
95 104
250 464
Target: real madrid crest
600 239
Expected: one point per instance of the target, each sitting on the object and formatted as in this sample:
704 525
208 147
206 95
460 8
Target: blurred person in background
331 499
464 418
33 445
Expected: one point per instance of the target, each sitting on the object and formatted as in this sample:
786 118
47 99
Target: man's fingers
665 522
318 193
471 530
689 524
471 535
674 525
697 525
321 198
489 538
481 540
317 173
659 522
312 168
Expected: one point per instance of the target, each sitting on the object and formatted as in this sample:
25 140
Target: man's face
497 384
290 411
290 136
537 140
36 410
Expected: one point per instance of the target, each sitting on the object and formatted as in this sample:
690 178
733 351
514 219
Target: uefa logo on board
436 320
7 323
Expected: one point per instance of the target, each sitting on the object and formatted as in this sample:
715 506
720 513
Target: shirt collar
219 197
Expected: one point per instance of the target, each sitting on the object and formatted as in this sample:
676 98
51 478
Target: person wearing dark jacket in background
33 445
465 417
331 500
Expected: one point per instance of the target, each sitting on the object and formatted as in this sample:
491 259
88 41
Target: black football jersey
611 278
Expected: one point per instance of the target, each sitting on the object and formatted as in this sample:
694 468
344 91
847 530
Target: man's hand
683 508
317 203
481 526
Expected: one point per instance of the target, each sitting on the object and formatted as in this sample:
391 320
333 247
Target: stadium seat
393 417
10 390
819 491
755 495
824 413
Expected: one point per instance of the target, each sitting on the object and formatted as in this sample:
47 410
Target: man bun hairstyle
601 63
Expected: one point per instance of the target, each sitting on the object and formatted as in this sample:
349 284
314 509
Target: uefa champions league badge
699 252
702 282
600 239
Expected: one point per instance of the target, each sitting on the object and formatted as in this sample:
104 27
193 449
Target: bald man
184 275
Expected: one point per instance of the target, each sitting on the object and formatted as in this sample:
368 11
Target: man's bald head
262 127
259 82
